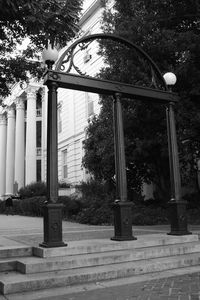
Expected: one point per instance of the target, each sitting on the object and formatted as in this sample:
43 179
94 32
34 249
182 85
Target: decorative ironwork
67 62
23 85
54 76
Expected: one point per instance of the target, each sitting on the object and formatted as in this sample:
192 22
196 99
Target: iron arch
68 54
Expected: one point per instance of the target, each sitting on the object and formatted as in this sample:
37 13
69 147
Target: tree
169 32
41 21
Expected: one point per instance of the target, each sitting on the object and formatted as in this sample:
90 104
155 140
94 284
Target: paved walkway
180 287
29 230
176 284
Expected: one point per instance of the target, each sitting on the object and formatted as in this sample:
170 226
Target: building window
89 105
38 151
65 169
38 112
38 134
90 108
39 105
38 169
59 118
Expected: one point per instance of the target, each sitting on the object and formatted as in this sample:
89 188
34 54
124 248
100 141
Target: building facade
23 122
21 138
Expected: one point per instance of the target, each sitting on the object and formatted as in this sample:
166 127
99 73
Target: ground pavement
173 284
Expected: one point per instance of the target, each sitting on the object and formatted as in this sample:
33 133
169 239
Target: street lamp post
52 209
177 206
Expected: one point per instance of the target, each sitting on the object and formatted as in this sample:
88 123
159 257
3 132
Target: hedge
94 206
97 213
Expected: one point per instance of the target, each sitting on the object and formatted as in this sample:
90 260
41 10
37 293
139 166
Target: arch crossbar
96 85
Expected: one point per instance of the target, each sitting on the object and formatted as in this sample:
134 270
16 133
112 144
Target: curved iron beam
114 38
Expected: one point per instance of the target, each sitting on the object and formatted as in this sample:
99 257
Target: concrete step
10 255
70 292
93 260
103 245
15 251
8 265
38 265
13 282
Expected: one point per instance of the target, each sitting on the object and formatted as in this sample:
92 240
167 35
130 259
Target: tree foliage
169 31
41 21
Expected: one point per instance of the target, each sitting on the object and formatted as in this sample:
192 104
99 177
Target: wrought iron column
122 208
177 206
52 161
52 210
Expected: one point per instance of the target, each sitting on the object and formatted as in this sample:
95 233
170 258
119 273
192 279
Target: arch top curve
68 55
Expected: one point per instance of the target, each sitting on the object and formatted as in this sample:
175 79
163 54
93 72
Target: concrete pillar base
178 218
53 226
123 221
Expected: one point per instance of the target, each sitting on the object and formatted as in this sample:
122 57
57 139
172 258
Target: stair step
8 265
15 251
37 265
13 282
102 245
93 260
65 292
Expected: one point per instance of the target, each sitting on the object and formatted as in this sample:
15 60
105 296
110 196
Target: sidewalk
175 284
180 287
29 230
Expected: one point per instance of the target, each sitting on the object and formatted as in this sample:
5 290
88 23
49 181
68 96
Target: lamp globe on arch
170 78
50 55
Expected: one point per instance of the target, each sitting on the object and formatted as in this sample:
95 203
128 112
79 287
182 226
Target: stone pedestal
52 226
178 217
123 221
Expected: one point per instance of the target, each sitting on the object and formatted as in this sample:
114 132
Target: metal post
177 207
52 161
122 208
52 210
120 161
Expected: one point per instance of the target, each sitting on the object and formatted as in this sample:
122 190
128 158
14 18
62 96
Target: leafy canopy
39 20
169 31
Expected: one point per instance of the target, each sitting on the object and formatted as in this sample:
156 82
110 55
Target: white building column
31 136
3 141
10 151
19 143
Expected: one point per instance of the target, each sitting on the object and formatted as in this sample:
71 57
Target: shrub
96 199
192 200
2 207
34 206
193 216
33 190
149 215
97 209
30 206
97 212
62 184
95 205
72 206
95 189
